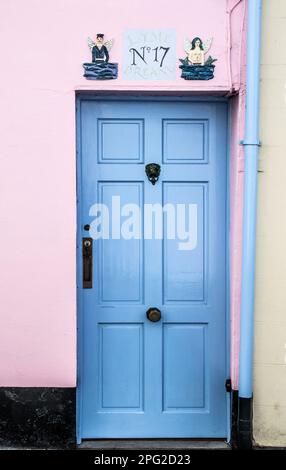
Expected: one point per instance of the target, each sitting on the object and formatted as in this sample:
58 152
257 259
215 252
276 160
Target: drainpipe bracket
245 143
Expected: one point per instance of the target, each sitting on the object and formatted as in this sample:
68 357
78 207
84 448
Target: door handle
87 262
153 314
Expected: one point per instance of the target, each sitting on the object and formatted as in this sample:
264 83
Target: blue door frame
99 98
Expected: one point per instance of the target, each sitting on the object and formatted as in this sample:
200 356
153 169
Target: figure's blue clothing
100 54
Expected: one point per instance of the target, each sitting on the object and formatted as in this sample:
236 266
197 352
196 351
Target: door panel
141 379
185 140
184 270
184 378
112 148
120 269
121 378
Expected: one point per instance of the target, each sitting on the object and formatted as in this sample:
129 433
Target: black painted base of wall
241 422
245 428
37 417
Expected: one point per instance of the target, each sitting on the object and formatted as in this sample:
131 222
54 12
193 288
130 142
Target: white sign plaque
149 54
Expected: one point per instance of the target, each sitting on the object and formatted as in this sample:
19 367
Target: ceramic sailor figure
100 68
99 50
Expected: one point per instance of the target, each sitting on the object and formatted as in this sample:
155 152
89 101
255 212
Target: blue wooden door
138 378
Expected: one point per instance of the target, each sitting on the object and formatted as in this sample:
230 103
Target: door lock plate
87 262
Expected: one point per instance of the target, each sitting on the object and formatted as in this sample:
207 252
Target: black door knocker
153 172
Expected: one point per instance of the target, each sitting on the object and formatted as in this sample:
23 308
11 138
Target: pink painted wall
237 111
43 45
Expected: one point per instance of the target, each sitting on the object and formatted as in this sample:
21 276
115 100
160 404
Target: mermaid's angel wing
109 44
187 45
90 43
207 45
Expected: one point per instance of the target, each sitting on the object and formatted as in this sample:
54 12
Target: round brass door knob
153 314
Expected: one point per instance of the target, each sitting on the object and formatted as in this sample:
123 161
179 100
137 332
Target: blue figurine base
197 72
101 71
